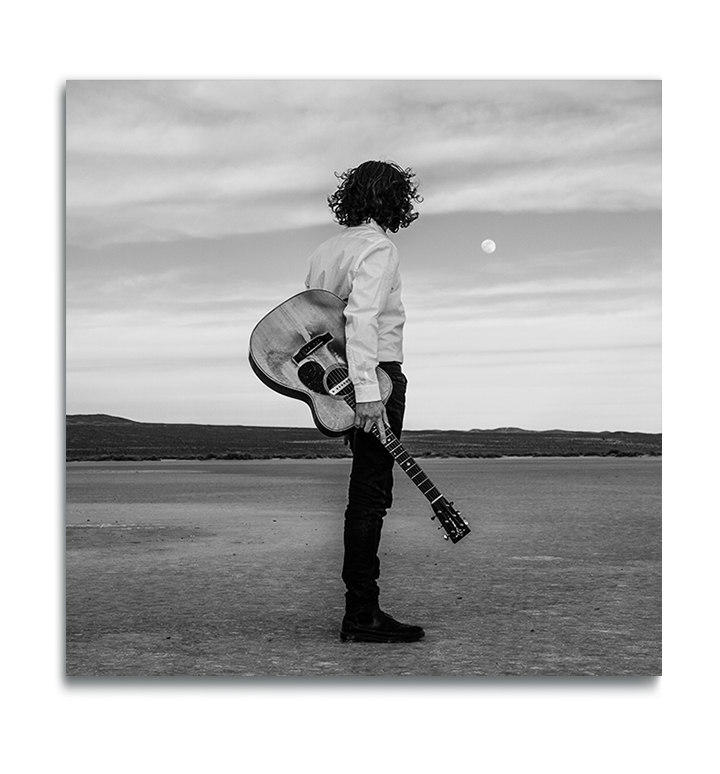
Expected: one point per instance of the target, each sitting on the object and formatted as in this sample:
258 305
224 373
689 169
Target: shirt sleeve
371 286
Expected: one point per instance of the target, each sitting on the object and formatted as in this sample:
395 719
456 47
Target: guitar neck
415 473
392 443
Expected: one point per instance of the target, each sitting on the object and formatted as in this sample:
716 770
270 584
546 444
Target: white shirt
361 266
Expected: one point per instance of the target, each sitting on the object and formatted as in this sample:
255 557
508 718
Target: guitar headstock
450 520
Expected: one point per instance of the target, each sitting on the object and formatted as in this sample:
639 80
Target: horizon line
504 428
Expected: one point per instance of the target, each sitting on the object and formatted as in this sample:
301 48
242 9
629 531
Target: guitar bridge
311 346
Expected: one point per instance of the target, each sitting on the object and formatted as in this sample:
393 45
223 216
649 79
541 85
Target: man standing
361 266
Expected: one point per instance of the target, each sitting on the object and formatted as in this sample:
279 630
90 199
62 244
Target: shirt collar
373 224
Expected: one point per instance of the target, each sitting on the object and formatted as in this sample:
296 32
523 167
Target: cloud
153 161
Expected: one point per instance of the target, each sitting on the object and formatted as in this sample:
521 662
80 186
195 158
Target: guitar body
298 350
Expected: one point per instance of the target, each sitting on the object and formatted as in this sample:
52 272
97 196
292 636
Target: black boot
376 626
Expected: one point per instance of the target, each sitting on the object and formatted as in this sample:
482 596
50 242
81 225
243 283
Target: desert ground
231 568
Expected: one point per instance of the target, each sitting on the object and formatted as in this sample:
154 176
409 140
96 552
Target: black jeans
369 497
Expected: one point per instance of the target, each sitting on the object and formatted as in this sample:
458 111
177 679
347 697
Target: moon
488 246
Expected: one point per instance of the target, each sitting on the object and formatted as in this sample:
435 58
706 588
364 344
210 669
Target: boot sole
370 637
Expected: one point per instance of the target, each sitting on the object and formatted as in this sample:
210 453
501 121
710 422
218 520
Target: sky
192 208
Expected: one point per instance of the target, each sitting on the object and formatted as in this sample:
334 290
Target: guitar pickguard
312 374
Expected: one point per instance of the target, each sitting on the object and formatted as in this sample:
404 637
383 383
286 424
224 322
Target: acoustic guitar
298 350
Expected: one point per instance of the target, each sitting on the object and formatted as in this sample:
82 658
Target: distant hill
98 419
105 437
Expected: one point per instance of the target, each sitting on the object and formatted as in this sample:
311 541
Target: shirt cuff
364 393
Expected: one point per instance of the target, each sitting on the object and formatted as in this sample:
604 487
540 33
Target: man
361 266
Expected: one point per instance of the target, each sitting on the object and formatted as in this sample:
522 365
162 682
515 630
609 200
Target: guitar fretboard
414 472
407 463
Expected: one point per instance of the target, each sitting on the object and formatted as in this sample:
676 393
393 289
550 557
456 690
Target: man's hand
370 414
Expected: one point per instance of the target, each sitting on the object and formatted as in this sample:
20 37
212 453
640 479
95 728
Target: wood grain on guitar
298 350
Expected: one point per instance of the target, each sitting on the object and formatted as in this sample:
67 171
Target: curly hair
380 190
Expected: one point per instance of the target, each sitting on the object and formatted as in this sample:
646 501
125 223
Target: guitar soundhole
311 375
337 382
